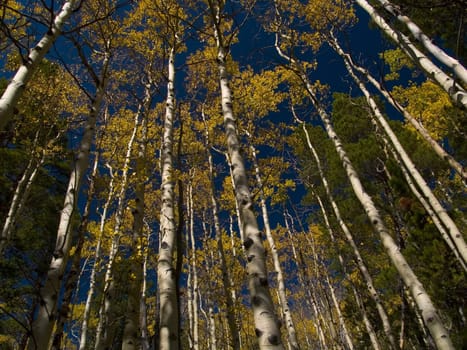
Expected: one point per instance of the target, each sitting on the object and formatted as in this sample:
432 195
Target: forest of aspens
233 174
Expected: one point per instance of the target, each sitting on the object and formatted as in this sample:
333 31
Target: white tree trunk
132 332
226 279
212 328
291 332
439 150
168 325
194 270
106 328
449 61
309 289
348 235
144 290
72 281
455 91
50 292
345 332
266 322
15 88
96 266
422 299
366 321
454 234
237 207
21 192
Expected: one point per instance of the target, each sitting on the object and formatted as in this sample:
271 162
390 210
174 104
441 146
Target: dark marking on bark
248 243
274 339
256 301
164 245
263 281
250 258
258 332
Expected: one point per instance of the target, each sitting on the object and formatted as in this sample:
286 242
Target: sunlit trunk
168 324
50 292
455 91
15 88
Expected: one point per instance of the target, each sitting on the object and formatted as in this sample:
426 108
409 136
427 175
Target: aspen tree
266 323
454 234
310 288
72 280
453 64
360 263
106 329
195 290
131 332
439 150
40 130
97 262
424 303
455 91
43 324
21 193
292 337
13 92
168 326
226 280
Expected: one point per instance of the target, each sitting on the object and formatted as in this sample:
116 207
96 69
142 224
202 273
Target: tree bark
15 88
50 292
132 332
168 325
96 266
266 322
226 279
291 332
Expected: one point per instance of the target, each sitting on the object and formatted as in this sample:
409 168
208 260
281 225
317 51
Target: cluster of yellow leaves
429 104
396 60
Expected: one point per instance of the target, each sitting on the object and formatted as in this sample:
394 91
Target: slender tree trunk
212 328
106 328
194 270
266 323
131 331
340 317
455 91
366 321
429 312
15 88
142 303
220 247
237 207
453 231
457 68
50 293
96 266
20 196
439 150
168 325
72 280
348 235
291 332
308 288
189 284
